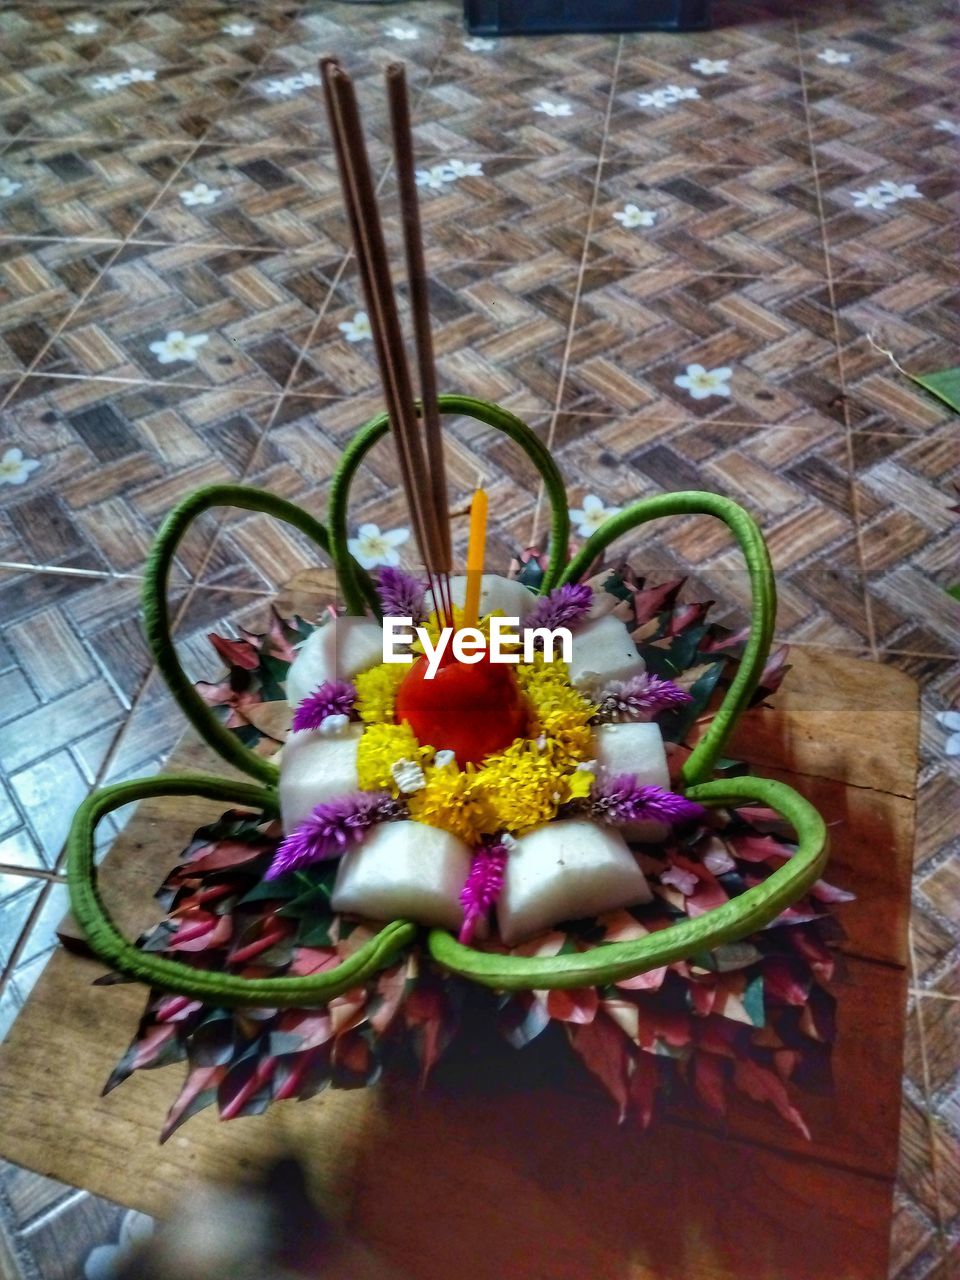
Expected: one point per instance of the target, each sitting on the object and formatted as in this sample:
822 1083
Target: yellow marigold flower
377 691
455 801
524 785
540 672
579 783
382 745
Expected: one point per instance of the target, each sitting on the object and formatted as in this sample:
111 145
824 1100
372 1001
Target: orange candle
475 556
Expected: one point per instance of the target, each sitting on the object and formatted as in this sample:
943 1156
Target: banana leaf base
502 1169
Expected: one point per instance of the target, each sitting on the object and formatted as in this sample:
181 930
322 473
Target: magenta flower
482 888
332 698
640 698
331 828
566 606
619 800
401 596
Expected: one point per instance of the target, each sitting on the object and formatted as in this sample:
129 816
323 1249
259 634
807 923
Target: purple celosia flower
564 607
331 828
483 886
639 698
619 800
401 596
332 698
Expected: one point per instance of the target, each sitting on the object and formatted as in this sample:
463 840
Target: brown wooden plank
856 722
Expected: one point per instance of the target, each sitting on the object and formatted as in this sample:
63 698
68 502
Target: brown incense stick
360 199
419 302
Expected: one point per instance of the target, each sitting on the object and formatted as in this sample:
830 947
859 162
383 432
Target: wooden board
511 1180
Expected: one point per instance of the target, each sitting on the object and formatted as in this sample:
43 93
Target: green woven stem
156 613
734 920
466 406
763 608
170 975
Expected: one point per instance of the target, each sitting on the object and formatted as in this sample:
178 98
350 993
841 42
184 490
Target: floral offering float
508 788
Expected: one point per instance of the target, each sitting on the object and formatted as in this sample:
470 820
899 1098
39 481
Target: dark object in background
527 17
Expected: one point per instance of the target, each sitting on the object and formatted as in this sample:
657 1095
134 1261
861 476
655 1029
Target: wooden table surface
513 1182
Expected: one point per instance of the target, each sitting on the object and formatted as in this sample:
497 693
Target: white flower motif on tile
401 32
711 66
8 187
107 84
479 44
883 194
289 85
179 346
702 383
834 58
358 329
464 169
83 26
900 190
371 548
434 178
588 518
633 216
108 1261
15 468
951 722
442 175
554 109
871 198
238 28
671 94
948 126
200 193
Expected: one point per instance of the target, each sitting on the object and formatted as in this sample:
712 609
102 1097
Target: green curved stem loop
156 612
481 411
763 609
170 975
734 920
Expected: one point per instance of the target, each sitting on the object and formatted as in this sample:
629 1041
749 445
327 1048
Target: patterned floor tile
113 459
891 222
720 220
912 318
177 100
18 896
904 498
756 350
752 114
73 647
98 191
498 334
68 36
244 316
906 601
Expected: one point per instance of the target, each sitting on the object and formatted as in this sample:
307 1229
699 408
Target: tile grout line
180 165
831 293
581 271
